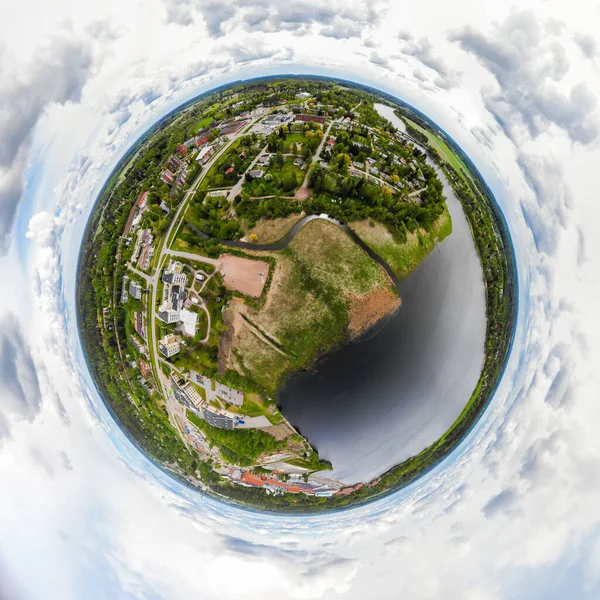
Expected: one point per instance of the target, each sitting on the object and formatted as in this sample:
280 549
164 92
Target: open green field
297 137
202 123
403 257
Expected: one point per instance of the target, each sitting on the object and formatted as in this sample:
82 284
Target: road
166 240
301 195
237 188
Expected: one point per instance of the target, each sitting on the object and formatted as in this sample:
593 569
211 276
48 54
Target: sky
514 512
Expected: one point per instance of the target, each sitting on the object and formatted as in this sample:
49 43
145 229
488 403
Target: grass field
297 137
403 258
438 144
205 121
317 280
268 231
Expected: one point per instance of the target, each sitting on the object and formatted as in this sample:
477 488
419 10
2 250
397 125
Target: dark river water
372 404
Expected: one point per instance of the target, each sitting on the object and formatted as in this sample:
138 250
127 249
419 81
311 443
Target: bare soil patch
243 274
302 193
367 311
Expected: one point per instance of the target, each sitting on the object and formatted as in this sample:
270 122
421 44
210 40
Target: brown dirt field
243 274
302 193
231 318
366 311
269 231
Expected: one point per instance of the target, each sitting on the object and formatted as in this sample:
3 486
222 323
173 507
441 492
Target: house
303 95
164 207
167 177
256 173
264 159
229 170
331 142
142 202
182 149
169 345
299 162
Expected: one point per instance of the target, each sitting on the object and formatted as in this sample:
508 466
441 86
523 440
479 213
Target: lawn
202 123
297 137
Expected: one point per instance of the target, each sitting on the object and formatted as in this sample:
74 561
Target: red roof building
230 170
145 369
167 177
142 201
313 118
182 149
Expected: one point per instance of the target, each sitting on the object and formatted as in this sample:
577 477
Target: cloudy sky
513 513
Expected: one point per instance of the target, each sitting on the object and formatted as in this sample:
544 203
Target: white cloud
519 499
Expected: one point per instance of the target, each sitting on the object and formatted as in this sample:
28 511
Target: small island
244 237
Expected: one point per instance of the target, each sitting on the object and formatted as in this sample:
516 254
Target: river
372 404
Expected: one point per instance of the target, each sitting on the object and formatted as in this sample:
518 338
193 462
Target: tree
279 160
288 181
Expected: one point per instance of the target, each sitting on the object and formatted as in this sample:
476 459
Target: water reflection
373 404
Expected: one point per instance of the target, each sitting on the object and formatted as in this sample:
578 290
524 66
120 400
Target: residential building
169 345
312 118
168 315
256 173
174 163
141 348
138 324
187 394
167 177
124 293
135 289
174 274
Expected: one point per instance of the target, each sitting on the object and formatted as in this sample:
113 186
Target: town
255 165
